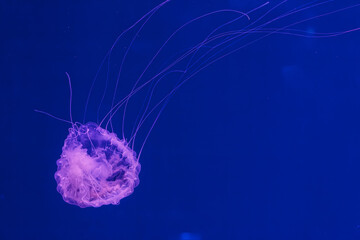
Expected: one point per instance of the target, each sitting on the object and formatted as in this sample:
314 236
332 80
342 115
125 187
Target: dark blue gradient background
264 144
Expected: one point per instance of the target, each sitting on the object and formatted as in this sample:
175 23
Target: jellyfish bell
96 167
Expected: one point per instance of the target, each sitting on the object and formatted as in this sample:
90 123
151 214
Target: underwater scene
180 120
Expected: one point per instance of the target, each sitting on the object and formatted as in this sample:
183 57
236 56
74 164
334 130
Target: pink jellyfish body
96 168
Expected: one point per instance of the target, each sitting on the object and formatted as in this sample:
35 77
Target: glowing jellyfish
96 166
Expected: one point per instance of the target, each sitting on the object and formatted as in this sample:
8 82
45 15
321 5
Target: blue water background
264 144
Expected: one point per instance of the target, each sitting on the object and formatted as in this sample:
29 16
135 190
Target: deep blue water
264 144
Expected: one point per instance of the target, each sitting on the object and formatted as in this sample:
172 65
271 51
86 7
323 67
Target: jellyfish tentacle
135 88
161 48
243 34
105 90
148 99
123 61
70 105
112 48
246 32
70 100
200 45
52 116
133 134
116 107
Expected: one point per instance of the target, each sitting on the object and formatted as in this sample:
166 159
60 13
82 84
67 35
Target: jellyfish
99 167
96 167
